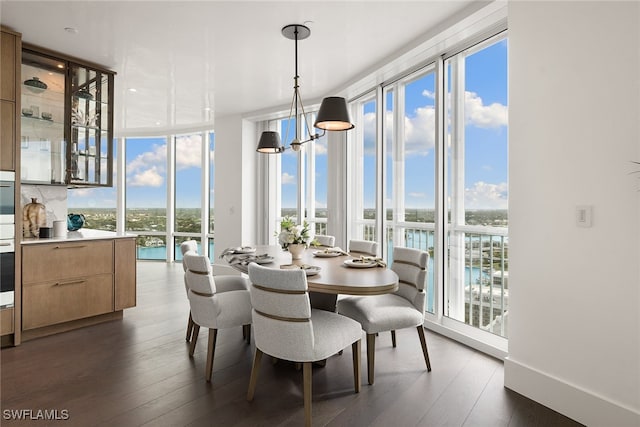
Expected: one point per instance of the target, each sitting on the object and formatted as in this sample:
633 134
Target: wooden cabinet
57 301
7 135
9 49
10 58
69 281
6 321
61 261
125 273
66 120
10 45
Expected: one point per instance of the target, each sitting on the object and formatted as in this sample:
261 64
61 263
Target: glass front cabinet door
67 122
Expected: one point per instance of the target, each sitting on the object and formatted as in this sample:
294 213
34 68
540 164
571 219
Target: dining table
328 275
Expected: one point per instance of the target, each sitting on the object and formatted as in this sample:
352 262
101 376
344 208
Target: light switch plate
584 214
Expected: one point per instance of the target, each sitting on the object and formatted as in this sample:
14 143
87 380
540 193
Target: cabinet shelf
48 93
91 101
86 127
83 122
40 121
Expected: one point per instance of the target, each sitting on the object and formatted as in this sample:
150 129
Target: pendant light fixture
333 114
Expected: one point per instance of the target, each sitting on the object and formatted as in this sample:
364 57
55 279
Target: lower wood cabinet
68 281
57 301
6 321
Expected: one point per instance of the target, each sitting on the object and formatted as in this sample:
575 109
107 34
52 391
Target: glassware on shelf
84 94
36 85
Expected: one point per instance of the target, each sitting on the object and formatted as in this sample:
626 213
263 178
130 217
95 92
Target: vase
34 216
296 250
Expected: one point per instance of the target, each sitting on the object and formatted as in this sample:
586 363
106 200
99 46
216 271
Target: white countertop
82 234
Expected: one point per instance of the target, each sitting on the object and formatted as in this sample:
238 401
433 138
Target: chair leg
246 333
371 354
355 349
393 338
189 327
211 351
254 374
423 342
194 339
306 374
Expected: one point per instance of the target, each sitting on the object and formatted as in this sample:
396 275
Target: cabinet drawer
59 301
55 261
6 321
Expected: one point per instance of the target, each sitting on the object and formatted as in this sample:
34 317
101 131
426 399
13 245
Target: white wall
574 118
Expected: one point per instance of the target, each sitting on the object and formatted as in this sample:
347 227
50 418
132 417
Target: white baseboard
567 399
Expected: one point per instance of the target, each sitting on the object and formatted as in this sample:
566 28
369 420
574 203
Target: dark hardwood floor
136 371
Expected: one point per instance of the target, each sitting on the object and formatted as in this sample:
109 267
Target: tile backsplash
53 197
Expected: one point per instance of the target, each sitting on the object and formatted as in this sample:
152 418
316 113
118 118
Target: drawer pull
71 247
5 244
75 282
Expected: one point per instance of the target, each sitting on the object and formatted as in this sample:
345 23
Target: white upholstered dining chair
188 246
325 240
216 303
363 246
389 312
286 327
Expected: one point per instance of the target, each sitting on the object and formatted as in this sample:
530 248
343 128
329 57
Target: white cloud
428 94
484 116
419 131
188 151
157 157
149 168
321 146
484 195
320 205
146 178
417 195
288 179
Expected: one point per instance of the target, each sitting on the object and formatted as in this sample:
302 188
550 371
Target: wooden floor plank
137 371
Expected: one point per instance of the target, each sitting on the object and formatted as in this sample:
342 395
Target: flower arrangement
292 233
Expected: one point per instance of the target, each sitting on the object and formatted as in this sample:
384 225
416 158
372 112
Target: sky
486 119
485 150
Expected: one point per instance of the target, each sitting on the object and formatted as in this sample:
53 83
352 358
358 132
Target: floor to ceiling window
476 289
316 180
168 193
303 175
146 195
364 170
455 182
188 190
289 170
410 186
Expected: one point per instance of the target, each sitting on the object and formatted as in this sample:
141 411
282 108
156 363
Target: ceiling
189 60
